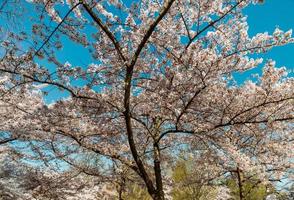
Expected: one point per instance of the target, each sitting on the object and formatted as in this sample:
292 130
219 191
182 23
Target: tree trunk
158 196
158 176
157 162
240 184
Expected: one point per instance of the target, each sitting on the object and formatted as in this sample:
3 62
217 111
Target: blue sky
266 17
261 18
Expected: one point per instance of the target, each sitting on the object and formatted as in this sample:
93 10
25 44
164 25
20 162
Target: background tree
191 183
251 189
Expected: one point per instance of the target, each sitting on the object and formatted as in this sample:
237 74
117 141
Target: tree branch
212 24
7 140
150 31
55 29
105 29
127 94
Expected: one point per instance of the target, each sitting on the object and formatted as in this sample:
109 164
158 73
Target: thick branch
112 156
127 112
258 106
59 85
105 29
224 125
150 31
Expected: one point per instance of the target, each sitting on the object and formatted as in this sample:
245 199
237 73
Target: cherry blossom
162 80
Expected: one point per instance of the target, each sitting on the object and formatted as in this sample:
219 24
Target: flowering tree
162 81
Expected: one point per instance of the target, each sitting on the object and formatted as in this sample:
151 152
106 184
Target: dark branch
106 30
211 24
7 140
55 29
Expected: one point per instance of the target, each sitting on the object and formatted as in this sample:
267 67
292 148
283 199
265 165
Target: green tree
135 192
251 190
188 184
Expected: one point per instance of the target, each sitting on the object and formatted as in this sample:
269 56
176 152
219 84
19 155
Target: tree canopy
161 80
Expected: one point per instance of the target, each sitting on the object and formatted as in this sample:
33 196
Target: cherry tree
162 80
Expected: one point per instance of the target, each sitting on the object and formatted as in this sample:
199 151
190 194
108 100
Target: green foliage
252 190
135 192
188 184
131 187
